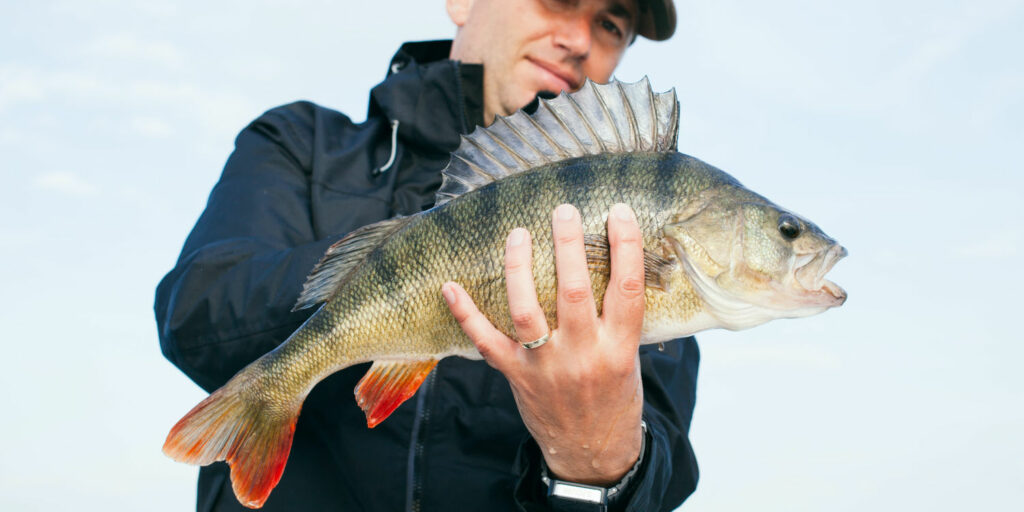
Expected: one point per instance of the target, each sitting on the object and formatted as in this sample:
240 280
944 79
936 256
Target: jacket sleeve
670 469
668 474
228 298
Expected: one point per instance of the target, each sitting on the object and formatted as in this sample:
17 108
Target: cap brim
656 19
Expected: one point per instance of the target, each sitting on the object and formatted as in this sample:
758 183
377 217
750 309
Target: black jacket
301 177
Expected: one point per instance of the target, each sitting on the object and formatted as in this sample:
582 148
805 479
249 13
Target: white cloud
65 182
19 86
151 127
1002 245
131 48
106 12
216 111
999 105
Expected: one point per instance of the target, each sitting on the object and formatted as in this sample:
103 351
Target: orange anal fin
387 385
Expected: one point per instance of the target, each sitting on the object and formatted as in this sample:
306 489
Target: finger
577 315
523 307
496 348
623 310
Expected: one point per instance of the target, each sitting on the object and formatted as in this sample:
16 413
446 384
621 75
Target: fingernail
448 291
564 212
516 237
623 212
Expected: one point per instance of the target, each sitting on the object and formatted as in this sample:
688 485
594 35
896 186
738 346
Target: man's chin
531 107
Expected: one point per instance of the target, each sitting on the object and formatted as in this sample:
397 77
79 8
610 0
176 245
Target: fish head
752 261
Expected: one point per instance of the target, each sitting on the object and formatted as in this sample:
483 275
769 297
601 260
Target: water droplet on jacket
661 347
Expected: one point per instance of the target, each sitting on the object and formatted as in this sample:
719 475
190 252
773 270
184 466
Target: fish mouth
810 274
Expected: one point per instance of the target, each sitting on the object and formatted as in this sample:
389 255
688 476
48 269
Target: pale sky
895 126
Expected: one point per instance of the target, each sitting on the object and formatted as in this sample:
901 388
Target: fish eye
789 226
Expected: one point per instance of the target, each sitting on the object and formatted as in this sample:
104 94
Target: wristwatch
574 497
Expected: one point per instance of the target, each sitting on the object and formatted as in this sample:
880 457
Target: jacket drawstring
394 149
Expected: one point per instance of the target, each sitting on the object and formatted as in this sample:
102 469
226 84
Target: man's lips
565 80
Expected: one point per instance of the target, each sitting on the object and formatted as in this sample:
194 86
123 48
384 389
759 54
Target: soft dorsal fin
611 118
340 258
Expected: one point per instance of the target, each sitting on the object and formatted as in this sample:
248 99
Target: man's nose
573 34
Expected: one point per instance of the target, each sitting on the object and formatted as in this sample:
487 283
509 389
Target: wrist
601 464
562 490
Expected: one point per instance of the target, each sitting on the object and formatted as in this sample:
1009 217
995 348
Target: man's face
530 46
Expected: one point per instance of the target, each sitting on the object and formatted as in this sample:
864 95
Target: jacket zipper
413 478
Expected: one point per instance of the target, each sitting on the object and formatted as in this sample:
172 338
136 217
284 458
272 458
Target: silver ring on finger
537 342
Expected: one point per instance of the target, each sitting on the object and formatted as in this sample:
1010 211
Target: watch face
579 492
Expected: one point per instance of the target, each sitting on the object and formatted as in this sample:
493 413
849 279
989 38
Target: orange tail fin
254 437
387 384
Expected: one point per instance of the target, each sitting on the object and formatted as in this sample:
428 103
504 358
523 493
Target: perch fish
716 255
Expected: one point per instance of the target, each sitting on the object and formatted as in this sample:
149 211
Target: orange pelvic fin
253 437
388 384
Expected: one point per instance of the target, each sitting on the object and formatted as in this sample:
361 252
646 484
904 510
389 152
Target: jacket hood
434 99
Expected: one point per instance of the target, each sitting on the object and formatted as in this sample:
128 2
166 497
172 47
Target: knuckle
489 348
461 316
483 348
629 239
567 237
523 318
591 373
623 367
515 266
587 378
576 293
574 374
615 366
632 287
619 373
486 352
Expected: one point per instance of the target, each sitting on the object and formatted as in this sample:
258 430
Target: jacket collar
433 98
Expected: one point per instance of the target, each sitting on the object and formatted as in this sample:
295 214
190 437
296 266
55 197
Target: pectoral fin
657 268
389 383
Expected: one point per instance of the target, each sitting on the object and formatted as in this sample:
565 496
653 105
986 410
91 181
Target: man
581 410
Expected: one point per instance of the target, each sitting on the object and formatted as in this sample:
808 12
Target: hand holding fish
580 395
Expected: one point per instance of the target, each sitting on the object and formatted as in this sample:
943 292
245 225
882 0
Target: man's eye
611 27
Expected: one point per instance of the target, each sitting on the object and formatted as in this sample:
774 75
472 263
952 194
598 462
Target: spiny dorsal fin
339 260
611 118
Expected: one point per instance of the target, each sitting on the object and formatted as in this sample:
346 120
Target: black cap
656 19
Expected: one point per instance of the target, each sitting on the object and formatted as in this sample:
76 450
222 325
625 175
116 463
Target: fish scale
380 285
